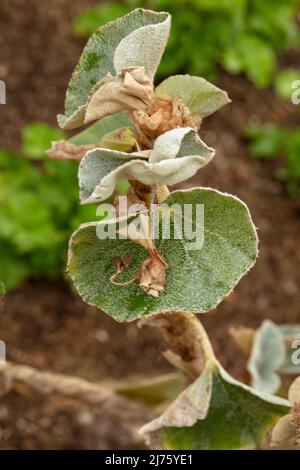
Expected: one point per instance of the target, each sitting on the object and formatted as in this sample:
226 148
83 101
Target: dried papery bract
161 115
163 269
286 433
131 90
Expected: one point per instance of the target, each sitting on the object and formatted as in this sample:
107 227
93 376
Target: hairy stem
189 347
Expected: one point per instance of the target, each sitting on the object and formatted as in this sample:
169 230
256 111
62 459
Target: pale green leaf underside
267 356
136 39
272 354
177 155
197 279
237 417
201 97
94 133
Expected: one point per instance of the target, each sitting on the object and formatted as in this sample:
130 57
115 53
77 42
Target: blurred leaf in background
36 138
270 141
238 35
284 80
39 208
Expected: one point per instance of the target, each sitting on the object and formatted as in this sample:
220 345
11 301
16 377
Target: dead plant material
162 115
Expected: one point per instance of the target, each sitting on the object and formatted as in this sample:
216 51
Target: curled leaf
216 412
122 140
129 91
177 155
137 39
64 150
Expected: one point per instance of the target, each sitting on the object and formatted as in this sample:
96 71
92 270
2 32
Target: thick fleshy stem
189 346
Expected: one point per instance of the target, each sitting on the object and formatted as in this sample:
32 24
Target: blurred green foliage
238 35
39 208
270 141
283 82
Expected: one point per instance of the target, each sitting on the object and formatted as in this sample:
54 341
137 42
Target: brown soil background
47 326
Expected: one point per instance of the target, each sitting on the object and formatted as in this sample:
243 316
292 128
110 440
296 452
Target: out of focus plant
239 35
38 208
272 350
284 80
137 263
286 432
269 142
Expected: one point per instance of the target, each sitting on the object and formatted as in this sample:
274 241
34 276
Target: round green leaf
197 280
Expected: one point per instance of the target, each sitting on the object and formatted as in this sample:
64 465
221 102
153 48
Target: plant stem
189 347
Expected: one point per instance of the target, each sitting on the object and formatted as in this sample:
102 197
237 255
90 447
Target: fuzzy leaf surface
198 279
226 414
267 356
177 155
200 96
136 39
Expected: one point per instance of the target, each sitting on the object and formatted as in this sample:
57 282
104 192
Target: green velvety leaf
200 96
267 357
215 412
176 156
237 417
136 39
94 133
198 279
94 169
